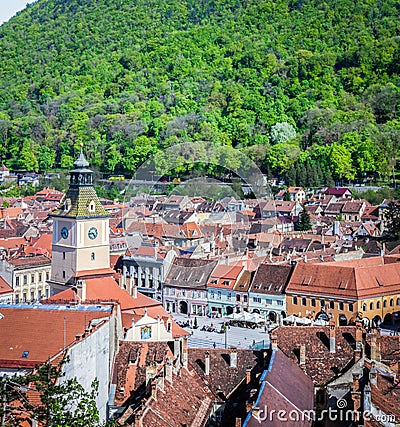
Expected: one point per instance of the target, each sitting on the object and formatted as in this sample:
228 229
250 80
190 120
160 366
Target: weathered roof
321 365
222 378
31 261
271 279
192 273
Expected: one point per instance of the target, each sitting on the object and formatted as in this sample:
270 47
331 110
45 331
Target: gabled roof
30 261
225 276
271 279
106 289
364 278
295 190
337 191
190 273
352 207
222 378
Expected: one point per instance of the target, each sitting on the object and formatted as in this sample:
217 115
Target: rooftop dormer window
67 205
92 206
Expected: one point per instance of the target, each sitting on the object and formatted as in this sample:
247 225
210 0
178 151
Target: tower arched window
92 256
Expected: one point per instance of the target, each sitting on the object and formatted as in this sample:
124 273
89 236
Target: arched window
295 300
92 256
378 305
384 304
391 303
371 306
364 307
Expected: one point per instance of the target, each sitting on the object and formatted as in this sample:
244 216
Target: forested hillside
298 85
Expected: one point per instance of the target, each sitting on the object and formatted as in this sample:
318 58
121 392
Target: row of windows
184 293
33 297
378 304
268 301
323 303
31 278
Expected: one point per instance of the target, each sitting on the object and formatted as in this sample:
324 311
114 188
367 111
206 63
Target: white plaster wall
90 360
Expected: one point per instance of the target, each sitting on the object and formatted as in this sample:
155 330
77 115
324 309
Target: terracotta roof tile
53 330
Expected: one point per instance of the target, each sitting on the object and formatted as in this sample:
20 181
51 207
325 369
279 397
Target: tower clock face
64 233
92 233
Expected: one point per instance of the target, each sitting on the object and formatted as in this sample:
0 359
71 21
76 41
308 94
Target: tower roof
81 162
81 200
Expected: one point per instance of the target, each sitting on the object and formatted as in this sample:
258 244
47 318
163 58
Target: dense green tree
127 79
282 132
304 222
59 402
392 214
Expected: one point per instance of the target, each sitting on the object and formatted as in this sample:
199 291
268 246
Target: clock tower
80 245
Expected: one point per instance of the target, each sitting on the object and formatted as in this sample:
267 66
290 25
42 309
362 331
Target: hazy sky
9 8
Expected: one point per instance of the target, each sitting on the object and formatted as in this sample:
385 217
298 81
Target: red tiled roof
10 212
363 278
40 332
5 288
30 261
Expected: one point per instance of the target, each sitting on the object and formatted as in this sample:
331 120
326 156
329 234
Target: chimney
375 353
233 358
332 338
302 361
248 376
132 286
356 380
168 370
185 352
154 390
372 374
359 344
177 350
367 398
207 364
274 341
356 394
81 290
150 374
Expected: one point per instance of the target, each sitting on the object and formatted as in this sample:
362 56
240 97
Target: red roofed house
220 288
338 192
86 334
297 194
366 289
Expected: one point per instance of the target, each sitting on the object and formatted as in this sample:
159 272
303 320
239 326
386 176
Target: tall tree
304 222
46 397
